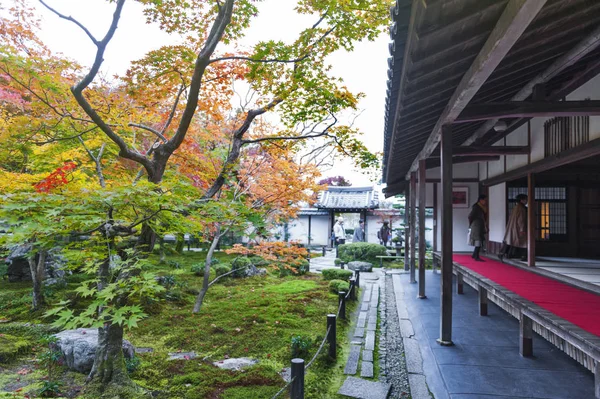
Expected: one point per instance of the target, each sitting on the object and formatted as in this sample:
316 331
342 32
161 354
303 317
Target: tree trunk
180 243
37 265
209 255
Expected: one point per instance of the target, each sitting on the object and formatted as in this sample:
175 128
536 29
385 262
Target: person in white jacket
339 231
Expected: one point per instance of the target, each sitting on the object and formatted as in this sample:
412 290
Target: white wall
460 221
497 212
298 230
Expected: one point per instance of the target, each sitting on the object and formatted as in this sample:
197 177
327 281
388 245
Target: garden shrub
198 269
337 261
300 346
336 274
258 261
222 269
361 251
335 286
240 264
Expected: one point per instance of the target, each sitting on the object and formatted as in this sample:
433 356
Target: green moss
11 347
257 392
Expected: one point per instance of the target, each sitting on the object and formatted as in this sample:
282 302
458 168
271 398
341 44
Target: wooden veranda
463 74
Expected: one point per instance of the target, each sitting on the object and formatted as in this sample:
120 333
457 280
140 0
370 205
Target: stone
144 350
360 266
352 363
370 341
182 355
236 363
363 389
366 369
18 266
78 348
367 356
252 271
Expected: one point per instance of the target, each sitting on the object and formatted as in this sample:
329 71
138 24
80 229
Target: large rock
78 348
360 266
18 266
252 271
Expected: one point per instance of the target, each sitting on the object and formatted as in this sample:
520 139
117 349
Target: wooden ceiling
436 45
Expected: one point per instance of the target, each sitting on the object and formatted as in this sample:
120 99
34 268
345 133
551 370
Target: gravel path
395 364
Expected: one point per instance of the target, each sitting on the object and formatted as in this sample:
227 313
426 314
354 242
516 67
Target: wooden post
406 230
422 245
531 220
525 336
460 284
597 380
446 264
483 302
413 223
435 221
342 297
332 335
357 278
297 387
309 229
353 289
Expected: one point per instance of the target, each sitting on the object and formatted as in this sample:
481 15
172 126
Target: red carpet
580 307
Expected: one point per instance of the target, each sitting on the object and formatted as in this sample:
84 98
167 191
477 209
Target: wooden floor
587 270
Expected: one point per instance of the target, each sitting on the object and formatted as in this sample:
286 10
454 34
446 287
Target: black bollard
357 278
297 387
323 250
353 289
331 338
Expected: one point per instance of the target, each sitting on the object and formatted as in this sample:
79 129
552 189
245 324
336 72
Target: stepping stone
144 350
352 363
367 356
370 341
356 341
371 326
363 389
236 363
359 332
366 369
182 356
365 306
362 319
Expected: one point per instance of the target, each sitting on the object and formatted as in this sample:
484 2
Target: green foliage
198 269
173 264
300 346
11 346
361 251
240 264
49 359
132 364
337 261
222 269
336 286
336 274
49 389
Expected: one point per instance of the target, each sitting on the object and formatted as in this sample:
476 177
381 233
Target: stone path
323 262
363 341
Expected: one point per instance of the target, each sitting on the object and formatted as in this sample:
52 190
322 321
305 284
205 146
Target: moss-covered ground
253 317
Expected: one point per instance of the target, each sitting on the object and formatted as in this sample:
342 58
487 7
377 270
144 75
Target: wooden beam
515 19
435 162
422 205
583 48
526 109
456 180
489 151
447 262
531 220
413 223
583 151
395 188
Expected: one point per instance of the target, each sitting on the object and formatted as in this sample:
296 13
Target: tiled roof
312 212
348 198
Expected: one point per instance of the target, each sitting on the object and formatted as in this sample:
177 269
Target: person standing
359 232
384 234
515 237
477 226
339 231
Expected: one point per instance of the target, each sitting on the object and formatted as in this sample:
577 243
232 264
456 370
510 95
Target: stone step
362 389
352 363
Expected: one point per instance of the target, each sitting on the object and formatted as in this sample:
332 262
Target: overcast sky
363 70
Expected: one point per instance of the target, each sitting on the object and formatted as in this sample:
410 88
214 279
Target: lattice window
562 133
551 210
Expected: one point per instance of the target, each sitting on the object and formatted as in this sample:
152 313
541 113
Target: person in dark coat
478 226
515 237
359 232
384 234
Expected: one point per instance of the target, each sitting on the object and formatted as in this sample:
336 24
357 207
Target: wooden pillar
413 222
483 302
525 336
406 229
422 199
435 223
460 284
531 220
309 229
597 380
446 264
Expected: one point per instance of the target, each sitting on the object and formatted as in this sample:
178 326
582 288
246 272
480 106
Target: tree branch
69 18
324 133
148 128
